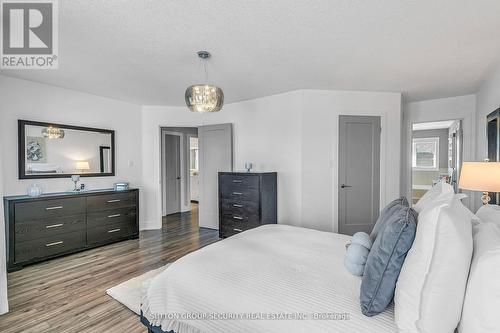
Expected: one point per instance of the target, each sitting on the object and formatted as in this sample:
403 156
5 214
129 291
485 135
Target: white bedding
274 269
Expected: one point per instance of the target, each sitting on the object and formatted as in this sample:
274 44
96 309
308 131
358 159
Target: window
193 154
425 154
194 159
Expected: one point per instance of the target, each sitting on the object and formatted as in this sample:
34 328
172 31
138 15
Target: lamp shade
82 165
480 176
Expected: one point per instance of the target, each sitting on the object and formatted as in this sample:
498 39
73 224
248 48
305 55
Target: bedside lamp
481 176
82 166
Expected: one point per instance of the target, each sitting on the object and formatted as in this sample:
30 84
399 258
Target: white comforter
268 272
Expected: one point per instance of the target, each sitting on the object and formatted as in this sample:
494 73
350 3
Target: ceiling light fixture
53 133
204 97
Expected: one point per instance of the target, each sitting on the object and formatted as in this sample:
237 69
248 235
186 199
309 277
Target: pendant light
204 97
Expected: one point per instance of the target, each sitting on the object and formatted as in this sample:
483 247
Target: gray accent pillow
387 255
388 210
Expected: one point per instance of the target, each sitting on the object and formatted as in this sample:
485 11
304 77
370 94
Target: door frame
385 172
381 185
188 161
182 171
409 151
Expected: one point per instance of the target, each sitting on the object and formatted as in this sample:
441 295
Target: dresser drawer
229 227
242 221
49 246
34 229
239 207
111 232
111 201
242 194
48 208
239 181
114 216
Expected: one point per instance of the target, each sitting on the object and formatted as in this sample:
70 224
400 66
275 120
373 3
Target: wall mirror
49 150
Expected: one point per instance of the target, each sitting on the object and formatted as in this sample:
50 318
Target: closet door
216 154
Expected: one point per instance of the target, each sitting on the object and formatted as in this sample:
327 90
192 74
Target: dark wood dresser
246 201
61 223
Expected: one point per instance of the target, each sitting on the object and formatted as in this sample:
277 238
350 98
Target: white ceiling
143 51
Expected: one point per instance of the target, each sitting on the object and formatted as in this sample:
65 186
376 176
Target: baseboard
148 226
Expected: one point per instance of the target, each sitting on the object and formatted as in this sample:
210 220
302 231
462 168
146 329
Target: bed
278 278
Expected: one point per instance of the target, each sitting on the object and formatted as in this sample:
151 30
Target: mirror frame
22 149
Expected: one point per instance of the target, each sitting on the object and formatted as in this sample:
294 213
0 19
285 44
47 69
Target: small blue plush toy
357 253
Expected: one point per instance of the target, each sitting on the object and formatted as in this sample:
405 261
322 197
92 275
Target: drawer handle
238 205
237 181
53 208
239 230
237 193
114 230
237 217
114 200
54 225
115 215
55 243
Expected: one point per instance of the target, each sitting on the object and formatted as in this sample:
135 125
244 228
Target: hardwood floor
68 294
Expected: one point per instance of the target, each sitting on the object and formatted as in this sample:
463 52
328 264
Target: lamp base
485 198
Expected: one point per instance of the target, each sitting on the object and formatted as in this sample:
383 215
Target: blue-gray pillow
386 258
388 210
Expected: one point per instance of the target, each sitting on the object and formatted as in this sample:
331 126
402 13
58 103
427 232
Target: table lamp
480 176
82 166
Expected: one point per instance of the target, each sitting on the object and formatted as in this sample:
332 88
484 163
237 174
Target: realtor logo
29 34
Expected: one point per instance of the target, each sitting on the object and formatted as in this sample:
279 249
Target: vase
35 190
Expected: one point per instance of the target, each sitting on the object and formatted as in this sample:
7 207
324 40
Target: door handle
344 186
178 178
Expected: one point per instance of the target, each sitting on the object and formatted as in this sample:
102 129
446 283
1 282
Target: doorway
359 173
191 158
436 155
175 169
172 173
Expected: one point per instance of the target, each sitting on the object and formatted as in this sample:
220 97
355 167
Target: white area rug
129 292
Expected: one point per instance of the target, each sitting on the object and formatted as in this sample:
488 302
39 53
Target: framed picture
35 150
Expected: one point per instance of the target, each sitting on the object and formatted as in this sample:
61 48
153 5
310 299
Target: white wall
460 107
293 134
319 160
20 99
487 101
266 132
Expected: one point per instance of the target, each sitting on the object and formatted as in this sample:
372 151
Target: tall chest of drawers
246 201
57 224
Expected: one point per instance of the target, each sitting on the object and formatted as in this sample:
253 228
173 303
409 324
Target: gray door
172 174
359 173
215 154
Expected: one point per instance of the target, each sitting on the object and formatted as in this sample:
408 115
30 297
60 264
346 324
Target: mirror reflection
58 150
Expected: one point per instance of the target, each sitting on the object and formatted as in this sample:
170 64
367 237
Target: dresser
56 224
246 201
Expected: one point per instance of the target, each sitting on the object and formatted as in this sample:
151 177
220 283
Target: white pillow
482 298
489 213
431 286
440 192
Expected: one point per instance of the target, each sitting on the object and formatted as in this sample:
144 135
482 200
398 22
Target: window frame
433 140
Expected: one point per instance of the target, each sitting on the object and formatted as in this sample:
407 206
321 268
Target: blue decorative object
357 253
394 240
